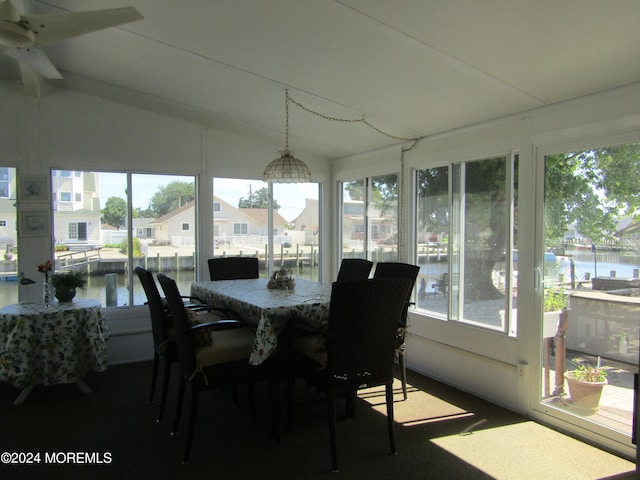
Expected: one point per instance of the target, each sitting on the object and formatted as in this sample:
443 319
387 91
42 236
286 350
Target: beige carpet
519 450
441 434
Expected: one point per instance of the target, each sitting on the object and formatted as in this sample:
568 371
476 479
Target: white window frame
240 228
455 258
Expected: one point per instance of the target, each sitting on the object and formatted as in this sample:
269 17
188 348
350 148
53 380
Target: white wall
12 125
80 132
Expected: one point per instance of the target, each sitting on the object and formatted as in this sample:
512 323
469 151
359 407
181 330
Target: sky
291 197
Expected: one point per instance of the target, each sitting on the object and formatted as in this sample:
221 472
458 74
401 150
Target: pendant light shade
287 168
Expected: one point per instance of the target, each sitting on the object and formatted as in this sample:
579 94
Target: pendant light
287 168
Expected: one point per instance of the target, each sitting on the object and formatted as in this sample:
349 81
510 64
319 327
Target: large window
241 223
8 237
96 234
433 229
5 178
466 242
370 218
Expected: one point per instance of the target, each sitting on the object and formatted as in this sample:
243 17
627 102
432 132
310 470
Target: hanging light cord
362 120
286 109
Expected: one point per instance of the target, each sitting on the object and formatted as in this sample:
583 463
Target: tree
355 189
485 221
384 191
433 188
142 213
257 199
170 197
114 212
593 189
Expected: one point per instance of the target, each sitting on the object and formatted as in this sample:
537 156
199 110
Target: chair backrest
233 268
159 319
363 323
182 326
354 269
398 270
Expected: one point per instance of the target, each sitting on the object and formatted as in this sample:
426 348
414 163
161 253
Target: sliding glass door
587 277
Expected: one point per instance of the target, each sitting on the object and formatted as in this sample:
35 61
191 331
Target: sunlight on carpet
522 450
410 412
528 450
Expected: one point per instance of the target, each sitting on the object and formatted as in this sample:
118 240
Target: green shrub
555 300
124 247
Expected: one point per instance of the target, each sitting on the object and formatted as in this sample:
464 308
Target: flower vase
46 292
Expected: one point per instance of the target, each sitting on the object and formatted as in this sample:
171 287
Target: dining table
51 344
268 309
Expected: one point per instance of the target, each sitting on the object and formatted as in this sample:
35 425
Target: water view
623 264
97 286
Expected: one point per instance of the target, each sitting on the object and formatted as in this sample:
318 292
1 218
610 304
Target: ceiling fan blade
55 27
31 80
35 58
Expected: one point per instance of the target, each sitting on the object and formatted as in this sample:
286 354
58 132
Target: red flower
45 267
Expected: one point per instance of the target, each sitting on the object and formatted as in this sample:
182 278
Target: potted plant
66 283
554 302
585 386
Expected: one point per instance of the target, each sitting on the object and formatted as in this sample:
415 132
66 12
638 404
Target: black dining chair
164 346
303 333
354 269
410 272
363 321
224 362
233 268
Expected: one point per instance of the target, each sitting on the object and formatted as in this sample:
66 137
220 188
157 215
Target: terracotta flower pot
585 396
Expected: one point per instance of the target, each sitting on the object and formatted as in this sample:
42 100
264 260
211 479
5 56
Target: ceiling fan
23 35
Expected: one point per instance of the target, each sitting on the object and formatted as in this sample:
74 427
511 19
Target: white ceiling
410 67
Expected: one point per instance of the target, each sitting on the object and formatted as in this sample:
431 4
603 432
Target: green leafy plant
124 247
555 300
69 280
588 373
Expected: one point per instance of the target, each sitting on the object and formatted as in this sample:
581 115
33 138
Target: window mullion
130 236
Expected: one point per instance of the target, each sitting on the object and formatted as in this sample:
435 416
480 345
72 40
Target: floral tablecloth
49 345
268 309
